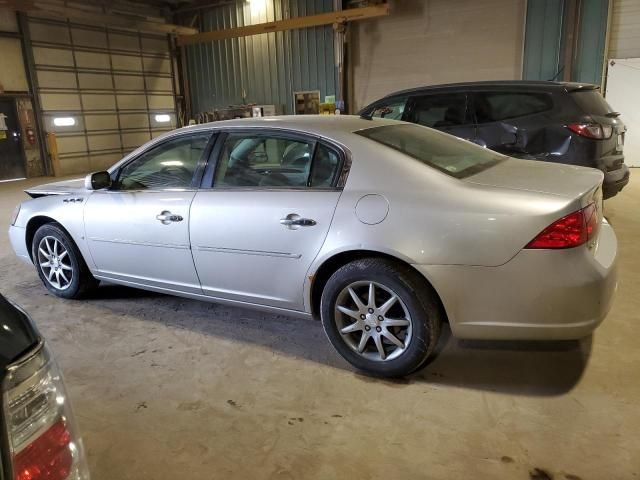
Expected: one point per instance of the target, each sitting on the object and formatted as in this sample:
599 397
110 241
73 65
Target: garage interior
165 387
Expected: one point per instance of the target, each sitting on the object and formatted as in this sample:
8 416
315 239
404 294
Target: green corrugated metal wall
266 68
544 36
542 39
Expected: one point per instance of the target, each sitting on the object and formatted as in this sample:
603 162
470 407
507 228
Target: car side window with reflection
169 165
494 106
440 111
264 161
392 110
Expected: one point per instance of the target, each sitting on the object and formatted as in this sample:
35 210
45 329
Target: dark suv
550 121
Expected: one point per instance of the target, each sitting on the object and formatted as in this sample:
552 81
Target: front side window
440 111
274 162
392 110
443 152
170 165
495 107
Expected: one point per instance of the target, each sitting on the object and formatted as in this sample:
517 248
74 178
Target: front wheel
381 316
60 264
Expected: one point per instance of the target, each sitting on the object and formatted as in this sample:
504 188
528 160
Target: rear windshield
444 152
591 102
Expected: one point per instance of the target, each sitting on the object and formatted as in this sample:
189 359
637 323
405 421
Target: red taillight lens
571 231
591 130
48 457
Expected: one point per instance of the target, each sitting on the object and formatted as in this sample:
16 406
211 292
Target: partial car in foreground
551 121
383 229
38 438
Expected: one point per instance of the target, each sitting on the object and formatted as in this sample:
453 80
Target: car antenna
366 116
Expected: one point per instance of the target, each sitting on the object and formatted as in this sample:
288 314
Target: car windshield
444 152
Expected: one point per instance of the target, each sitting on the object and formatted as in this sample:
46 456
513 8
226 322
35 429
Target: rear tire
59 263
390 335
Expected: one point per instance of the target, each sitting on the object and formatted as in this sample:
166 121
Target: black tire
417 299
81 281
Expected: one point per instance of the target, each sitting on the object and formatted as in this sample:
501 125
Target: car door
138 230
257 228
447 112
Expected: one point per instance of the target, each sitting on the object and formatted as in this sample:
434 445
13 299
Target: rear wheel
381 316
59 263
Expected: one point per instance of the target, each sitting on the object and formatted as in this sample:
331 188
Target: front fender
66 210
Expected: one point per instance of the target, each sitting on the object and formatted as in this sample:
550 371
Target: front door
138 230
257 231
11 156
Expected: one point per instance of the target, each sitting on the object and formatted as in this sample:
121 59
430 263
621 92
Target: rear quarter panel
433 218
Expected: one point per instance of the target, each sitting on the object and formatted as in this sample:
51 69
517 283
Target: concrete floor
168 388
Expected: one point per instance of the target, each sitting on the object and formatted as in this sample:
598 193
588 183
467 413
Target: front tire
59 263
381 316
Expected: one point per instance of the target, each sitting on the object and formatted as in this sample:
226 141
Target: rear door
264 217
503 117
447 112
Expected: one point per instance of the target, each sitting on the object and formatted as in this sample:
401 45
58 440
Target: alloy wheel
373 321
54 262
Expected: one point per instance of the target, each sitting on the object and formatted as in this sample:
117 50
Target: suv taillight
591 130
42 437
571 231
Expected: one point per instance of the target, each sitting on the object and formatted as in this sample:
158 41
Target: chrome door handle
294 220
166 217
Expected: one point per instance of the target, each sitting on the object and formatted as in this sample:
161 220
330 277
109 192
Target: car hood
57 188
535 176
17 333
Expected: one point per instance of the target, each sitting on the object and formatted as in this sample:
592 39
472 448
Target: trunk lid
567 181
64 187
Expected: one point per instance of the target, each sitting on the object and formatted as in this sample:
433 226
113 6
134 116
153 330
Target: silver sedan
382 229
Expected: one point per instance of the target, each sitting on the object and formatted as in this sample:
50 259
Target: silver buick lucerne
382 229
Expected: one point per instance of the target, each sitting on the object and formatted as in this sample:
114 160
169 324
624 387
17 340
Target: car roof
329 126
506 84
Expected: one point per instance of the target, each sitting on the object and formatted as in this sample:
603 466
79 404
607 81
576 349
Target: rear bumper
615 181
18 242
537 295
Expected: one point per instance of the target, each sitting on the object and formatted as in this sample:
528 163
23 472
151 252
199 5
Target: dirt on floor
168 388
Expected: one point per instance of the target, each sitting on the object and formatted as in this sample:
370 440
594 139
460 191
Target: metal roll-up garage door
102 91
624 38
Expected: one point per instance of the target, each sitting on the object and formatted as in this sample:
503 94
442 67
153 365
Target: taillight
591 130
42 437
571 231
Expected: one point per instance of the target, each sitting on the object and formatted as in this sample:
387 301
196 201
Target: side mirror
97 181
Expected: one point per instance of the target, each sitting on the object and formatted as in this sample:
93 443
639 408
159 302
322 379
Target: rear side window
439 111
494 107
392 110
591 102
444 152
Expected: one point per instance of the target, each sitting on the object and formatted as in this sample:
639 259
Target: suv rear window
591 102
441 151
494 106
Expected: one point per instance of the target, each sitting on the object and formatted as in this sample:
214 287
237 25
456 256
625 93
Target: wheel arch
34 224
330 265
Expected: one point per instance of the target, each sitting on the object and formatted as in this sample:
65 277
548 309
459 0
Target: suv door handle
166 217
294 220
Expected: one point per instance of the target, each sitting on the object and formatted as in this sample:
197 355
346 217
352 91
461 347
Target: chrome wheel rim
55 263
373 321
